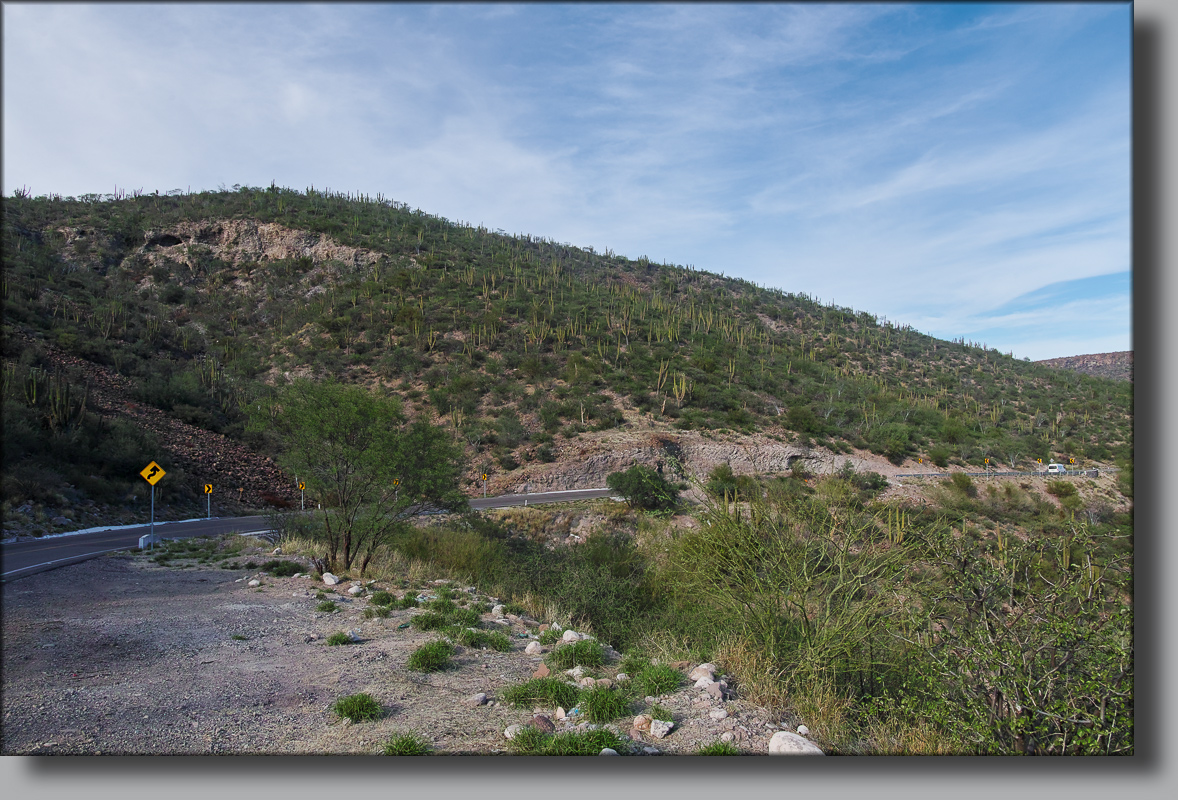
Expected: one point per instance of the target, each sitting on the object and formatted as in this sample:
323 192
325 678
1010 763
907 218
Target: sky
960 168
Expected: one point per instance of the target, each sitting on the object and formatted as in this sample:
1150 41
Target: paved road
19 559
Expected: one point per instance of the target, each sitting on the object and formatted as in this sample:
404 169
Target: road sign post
209 501
152 474
485 476
302 496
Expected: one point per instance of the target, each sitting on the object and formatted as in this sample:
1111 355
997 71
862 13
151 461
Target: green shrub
660 712
463 616
383 599
530 742
429 621
964 484
339 638
431 657
584 653
327 607
602 705
496 640
441 606
407 744
549 637
408 601
548 692
282 569
718 749
644 488
377 611
358 707
1061 489
584 743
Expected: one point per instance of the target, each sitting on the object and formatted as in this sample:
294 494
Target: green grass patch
660 712
281 568
239 638
382 598
443 607
327 607
339 638
431 657
429 621
718 749
583 653
656 679
602 705
531 741
496 640
463 616
549 637
377 611
408 601
547 692
407 744
358 707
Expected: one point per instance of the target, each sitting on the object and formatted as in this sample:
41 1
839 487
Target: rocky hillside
1114 366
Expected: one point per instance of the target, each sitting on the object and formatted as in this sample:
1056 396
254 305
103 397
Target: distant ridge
1117 366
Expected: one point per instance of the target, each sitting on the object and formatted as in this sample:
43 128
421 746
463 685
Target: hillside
1114 366
539 355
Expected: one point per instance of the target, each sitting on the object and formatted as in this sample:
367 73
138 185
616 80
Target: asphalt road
18 559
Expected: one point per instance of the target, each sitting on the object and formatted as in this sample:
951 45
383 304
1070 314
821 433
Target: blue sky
963 168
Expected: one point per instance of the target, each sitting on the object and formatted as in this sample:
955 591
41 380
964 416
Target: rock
254 582
608 751
542 671
642 722
703 671
785 743
576 673
659 728
605 683
571 636
330 579
512 731
479 699
355 637
622 677
511 617
652 751
560 714
556 627
497 611
542 723
543 628
587 682
703 683
60 521
718 714
534 649
718 690
277 551
803 730
727 736
681 665
356 590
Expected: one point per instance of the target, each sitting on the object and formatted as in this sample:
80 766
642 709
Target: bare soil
122 656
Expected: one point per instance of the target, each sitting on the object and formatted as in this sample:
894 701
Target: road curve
20 559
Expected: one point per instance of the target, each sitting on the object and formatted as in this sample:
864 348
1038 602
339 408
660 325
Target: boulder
703 671
254 582
479 699
330 579
659 728
534 649
718 714
803 730
608 751
642 722
785 743
512 731
571 636
542 723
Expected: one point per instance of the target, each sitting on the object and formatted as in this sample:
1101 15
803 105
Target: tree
644 488
372 468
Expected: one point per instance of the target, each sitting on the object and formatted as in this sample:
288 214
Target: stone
355 637
718 690
479 699
497 611
542 723
542 671
785 743
659 728
512 731
60 521
652 751
703 671
681 665
642 722
587 682
803 730
727 736
534 649
571 636
608 751
703 683
605 683
512 617
277 551
560 713
718 714
356 590
622 677
330 579
254 582
543 628
576 673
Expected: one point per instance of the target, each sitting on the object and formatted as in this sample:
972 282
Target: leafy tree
644 488
372 468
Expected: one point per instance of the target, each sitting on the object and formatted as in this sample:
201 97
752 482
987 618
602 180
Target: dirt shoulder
122 656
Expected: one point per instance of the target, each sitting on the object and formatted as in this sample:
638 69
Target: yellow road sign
396 481
208 488
152 473
484 476
302 486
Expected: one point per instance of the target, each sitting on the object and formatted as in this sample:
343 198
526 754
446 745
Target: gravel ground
119 655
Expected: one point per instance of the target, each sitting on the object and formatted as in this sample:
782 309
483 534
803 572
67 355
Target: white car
1057 469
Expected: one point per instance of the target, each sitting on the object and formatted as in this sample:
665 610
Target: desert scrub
431 657
656 679
327 607
442 606
602 705
408 601
339 638
407 744
583 653
463 616
429 621
382 598
549 637
377 611
548 692
237 637
357 707
718 749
